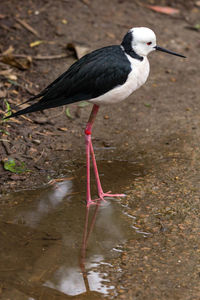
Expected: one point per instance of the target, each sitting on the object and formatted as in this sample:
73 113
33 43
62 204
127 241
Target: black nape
127 45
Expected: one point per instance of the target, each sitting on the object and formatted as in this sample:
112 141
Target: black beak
168 51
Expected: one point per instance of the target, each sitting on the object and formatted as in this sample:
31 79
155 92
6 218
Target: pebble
40 120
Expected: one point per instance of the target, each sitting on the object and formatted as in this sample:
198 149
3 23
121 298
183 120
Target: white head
142 41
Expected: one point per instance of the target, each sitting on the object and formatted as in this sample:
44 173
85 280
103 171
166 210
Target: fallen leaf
14 92
79 49
111 35
164 9
10 165
62 129
8 109
67 111
8 51
173 79
7 74
36 43
83 104
22 63
3 93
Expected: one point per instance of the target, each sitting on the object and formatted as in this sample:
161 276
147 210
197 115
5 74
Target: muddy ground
156 130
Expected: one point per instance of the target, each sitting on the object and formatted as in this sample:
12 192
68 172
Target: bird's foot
92 202
108 194
101 198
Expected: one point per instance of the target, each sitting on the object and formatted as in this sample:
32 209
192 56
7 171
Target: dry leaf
22 63
8 51
3 93
36 43
111 35
79 49
164 9
8 74
62 129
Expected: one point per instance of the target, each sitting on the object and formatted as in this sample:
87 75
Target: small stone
37 142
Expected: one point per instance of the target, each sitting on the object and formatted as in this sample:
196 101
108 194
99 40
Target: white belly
136 78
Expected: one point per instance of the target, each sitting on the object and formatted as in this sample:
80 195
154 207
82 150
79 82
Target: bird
105 76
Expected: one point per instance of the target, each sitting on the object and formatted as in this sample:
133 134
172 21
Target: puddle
52 247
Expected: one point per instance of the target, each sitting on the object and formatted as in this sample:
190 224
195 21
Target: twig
24 117
39 156
60 113
3 140
5 27
53 181
40 57
6 147
27 26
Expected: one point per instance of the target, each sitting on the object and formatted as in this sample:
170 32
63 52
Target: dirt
157 128
46 138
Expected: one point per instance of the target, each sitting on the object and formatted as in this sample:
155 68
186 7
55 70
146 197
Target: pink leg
88 195
89 148
99 187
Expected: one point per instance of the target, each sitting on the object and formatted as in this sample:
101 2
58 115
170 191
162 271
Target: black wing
91 76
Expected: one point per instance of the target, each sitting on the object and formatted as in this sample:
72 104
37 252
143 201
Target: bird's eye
149 43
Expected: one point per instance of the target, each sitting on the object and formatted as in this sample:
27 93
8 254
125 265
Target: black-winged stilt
104 76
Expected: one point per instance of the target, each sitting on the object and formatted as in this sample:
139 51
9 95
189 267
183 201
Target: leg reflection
86 234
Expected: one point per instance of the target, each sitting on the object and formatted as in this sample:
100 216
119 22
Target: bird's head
142 41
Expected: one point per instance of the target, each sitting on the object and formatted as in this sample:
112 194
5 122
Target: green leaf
147 104
67 111
10 165
8 108
4 131
13 82
83 104
197 26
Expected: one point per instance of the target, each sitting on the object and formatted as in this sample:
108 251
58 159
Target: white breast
136 78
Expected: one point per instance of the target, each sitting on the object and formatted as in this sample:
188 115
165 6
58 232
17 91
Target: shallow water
53 247
143 246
